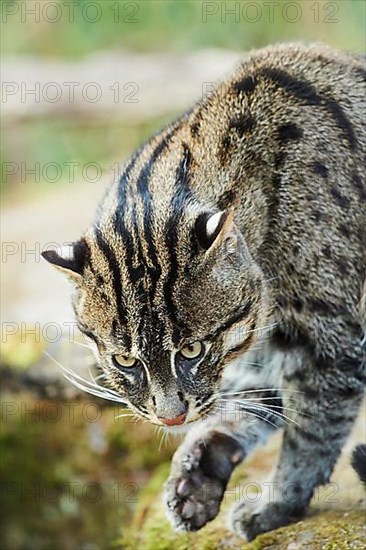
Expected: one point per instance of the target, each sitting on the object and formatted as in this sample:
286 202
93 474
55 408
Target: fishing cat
225 273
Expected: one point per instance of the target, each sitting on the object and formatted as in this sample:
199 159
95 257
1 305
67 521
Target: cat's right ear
69 259
213 229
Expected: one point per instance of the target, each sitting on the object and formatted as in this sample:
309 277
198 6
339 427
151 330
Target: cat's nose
174 421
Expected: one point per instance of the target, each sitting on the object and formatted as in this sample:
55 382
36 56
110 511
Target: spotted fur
241 225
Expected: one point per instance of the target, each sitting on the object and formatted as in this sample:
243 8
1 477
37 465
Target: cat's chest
261 368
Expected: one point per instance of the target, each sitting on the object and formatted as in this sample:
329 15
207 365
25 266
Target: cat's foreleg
203 464
326 409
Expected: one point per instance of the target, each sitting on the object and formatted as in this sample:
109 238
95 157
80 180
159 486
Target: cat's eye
125 361
192 351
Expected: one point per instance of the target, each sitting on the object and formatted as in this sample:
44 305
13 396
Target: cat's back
288 127
308 104
284 140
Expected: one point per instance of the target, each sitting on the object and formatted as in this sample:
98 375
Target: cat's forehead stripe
115 269
146 197
178 200
142 272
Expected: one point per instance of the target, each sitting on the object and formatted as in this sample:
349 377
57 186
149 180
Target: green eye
192 351
126 361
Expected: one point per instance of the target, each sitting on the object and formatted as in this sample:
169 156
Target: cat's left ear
70 259
212 230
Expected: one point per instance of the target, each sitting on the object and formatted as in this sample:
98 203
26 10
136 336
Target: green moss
150 530
332 530
328 531
51 454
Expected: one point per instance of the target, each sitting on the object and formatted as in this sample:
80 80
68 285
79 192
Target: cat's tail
359 461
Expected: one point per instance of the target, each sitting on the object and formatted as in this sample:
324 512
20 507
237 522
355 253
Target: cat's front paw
249 521
192 497
199 475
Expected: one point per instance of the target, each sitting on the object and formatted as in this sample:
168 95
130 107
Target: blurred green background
57 42
79 29
184 25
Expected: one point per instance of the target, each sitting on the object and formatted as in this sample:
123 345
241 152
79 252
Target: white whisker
160 434
253 364
100 376
270 279
88 346
264 327
258 401
259 390
124 415
276 414
248 405
88 386
259 417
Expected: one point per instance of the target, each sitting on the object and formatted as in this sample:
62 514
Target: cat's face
164 336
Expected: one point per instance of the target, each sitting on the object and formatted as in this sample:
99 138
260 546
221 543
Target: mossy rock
320 530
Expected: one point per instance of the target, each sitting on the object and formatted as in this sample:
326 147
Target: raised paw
199 475
249 521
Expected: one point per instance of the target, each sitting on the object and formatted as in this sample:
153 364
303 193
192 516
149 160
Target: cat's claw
199 475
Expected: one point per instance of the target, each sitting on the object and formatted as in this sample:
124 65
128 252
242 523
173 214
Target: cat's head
169 299
164 334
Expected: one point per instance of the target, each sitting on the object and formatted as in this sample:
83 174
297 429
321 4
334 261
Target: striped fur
279 149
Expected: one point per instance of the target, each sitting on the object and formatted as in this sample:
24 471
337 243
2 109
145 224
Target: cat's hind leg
328 401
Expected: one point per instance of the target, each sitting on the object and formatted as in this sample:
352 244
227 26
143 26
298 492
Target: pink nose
174 421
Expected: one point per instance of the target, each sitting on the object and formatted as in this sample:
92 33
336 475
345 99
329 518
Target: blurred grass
48 460
179 25
63 141
143 26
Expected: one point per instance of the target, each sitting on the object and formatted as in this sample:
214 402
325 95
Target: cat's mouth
181 429
180 425
191 422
